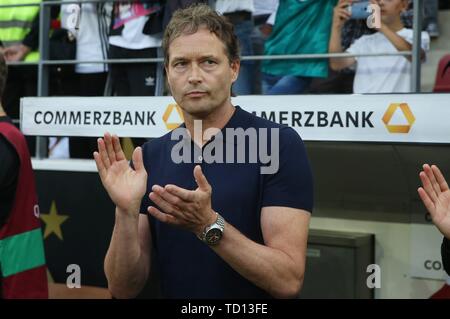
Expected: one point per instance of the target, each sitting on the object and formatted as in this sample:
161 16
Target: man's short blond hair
190 19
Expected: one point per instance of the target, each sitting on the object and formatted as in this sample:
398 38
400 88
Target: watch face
213 236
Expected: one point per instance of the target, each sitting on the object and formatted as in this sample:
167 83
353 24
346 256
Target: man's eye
209 62
179 64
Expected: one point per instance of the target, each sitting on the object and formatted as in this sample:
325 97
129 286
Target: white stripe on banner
417 118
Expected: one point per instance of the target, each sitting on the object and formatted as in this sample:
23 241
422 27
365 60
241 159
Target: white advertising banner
426 261
408 118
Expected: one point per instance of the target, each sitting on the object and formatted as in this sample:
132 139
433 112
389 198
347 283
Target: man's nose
195 75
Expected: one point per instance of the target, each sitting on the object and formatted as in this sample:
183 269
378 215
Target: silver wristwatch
213 233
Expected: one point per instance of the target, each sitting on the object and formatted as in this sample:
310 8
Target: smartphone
360 10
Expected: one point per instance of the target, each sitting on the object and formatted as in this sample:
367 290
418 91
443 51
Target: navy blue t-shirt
187 267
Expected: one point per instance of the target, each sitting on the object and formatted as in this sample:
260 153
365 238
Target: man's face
391 9
199 72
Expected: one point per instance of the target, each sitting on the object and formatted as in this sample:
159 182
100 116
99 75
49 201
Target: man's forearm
268 268
125 267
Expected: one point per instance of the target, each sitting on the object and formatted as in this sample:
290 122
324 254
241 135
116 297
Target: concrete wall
392 254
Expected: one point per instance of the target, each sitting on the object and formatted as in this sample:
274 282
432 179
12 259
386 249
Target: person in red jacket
23 273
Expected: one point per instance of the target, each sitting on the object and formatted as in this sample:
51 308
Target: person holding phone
392 36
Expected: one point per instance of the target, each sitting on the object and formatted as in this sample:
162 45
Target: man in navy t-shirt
223 202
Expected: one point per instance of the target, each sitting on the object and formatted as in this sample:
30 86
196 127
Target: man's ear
166 68
235 66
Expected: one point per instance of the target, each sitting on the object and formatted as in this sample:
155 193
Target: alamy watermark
374 279
374 19
74 279
73 17
241 146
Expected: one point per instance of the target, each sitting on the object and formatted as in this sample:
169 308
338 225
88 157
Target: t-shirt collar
234 122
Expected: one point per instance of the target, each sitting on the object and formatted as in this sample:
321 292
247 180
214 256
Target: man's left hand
187 209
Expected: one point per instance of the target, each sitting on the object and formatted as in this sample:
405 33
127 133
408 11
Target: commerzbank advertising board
402 118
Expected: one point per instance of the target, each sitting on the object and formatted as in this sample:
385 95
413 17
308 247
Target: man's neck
215 120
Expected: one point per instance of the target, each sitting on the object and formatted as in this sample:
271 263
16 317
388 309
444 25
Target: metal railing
44 62
243 58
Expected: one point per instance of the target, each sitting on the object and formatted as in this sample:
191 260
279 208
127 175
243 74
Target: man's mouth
196 93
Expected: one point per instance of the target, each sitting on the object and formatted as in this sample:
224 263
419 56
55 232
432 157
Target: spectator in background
384 74
23 273
431 17
301 27
407 16
341 82
239 13
19 39
91 44
173 5
136 32
264 19
435 195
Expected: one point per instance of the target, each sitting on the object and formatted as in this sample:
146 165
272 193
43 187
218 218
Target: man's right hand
126 186
341 14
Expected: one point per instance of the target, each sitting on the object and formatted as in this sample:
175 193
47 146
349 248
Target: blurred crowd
95 31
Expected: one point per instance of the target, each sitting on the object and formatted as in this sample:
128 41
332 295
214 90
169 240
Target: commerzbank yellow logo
171 125
387 117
